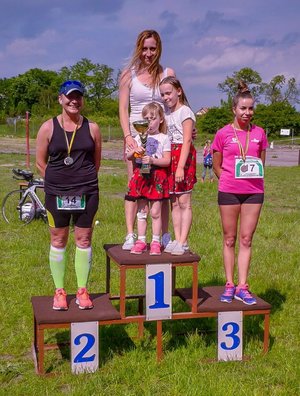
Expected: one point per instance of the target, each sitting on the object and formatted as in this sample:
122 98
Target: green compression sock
83 262
57 259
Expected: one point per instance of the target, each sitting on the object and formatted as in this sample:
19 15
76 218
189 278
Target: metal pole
27 141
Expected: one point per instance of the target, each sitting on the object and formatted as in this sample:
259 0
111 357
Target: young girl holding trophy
149 183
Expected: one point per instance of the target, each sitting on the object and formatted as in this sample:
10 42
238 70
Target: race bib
70 202
251 168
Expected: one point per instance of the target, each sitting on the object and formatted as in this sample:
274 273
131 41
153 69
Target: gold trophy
141 126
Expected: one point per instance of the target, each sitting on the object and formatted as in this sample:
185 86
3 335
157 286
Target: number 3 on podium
230 335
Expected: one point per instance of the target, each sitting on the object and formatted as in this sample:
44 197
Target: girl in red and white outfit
180 120
150 190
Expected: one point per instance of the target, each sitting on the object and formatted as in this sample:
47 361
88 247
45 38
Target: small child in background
181 121
150 189
207 161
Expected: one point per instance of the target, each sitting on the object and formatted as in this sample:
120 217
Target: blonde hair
155 69
177 85
155 109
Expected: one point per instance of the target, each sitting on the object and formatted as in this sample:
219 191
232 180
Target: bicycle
24 204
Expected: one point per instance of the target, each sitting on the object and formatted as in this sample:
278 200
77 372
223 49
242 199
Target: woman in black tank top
68 154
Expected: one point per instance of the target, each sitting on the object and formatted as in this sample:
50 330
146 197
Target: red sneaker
83 299
60 300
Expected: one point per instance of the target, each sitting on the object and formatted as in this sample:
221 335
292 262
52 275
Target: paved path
283 156
279 156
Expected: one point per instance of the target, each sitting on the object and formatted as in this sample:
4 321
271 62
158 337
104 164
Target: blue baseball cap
71 85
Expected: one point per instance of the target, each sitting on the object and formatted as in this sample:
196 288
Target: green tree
97 78
275 116
249 76
214 119
4 95
280 90
31 88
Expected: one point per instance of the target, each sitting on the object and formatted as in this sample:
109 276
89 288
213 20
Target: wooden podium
200 302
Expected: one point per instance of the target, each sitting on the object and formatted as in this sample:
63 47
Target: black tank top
80 177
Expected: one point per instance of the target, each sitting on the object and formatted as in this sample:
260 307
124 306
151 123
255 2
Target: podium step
103 310
209 300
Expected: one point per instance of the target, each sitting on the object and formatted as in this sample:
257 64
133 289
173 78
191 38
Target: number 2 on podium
90 341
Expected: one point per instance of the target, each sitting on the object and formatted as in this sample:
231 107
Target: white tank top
140 95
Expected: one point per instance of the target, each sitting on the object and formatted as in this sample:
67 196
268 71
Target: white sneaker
186 247
170 246
178 250
129 241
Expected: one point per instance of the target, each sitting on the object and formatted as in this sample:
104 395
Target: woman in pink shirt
239 151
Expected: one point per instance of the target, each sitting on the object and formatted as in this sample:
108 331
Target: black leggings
239 199
61 218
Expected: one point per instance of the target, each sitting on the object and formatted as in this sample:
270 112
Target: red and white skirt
189 170
152 186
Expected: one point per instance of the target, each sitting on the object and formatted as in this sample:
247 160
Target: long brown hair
155 68
177 85
243 92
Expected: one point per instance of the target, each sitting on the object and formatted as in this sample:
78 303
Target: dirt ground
278 156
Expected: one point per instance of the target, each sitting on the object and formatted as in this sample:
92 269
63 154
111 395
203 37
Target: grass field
128 365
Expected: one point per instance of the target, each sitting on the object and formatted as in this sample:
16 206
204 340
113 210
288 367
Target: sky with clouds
203 41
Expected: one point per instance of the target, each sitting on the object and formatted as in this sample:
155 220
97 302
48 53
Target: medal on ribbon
69 160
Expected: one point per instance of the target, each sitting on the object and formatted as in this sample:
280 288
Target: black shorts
239 199
61 218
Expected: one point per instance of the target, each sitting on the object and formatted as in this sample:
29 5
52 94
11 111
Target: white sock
155 238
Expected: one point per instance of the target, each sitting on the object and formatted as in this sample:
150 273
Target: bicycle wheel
16 209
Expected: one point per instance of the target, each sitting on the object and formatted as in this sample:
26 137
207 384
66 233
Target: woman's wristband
126 136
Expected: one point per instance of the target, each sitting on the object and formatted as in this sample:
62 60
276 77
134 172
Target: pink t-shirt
225 143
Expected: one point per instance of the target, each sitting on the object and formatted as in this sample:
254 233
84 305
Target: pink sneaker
155 248
60 300
83 299
139 247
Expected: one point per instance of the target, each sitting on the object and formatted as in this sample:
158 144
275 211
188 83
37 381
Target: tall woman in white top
139 85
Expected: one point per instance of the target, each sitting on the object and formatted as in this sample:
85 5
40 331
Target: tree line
275 103
36 91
